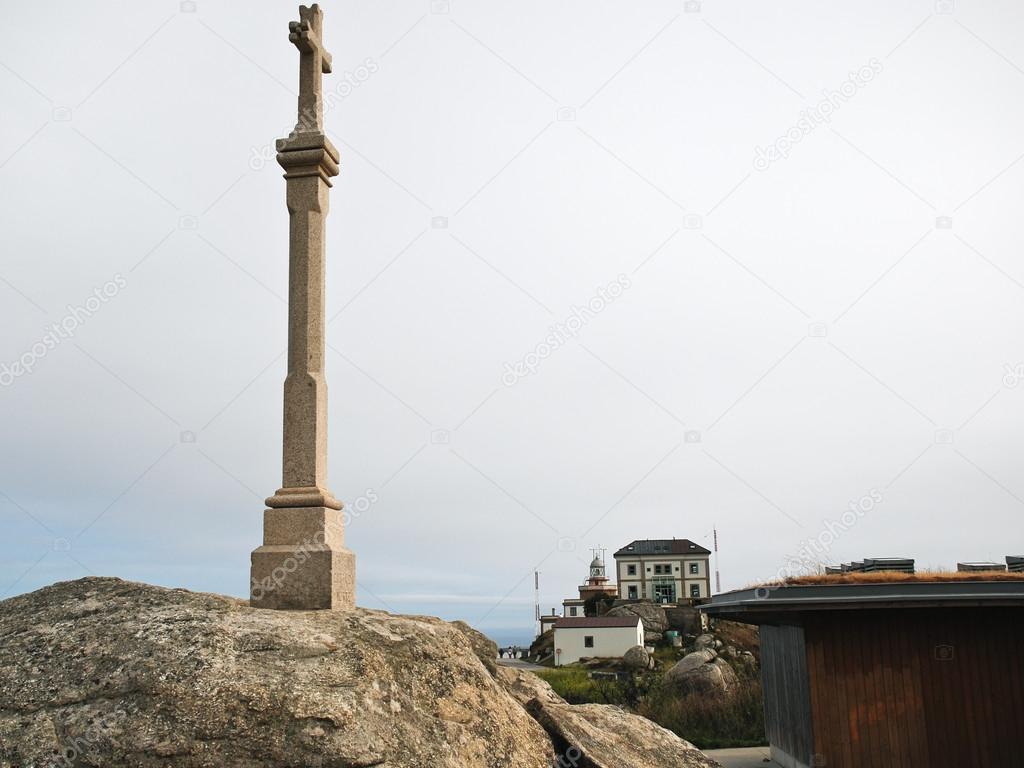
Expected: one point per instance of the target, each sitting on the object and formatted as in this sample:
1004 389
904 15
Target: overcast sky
596 272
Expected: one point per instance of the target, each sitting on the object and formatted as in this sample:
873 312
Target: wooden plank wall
787 702
887 693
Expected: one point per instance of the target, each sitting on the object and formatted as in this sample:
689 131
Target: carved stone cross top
307 35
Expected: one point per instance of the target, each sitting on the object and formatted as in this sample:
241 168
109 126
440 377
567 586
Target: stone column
303 563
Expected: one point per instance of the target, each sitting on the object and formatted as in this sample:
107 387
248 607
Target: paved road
751 757
518 664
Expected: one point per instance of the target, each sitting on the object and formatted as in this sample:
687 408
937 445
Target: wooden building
911 674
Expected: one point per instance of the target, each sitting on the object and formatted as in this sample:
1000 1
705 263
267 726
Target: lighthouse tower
597 581
596 584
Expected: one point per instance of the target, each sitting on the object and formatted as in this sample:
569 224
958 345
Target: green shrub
709 721
735 719
575 685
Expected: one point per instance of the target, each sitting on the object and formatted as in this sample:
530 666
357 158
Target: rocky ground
102 672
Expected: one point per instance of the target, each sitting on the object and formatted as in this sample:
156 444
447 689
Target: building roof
767 604
662 547
597 622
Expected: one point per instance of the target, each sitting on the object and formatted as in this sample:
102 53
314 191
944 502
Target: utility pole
718 576
536 601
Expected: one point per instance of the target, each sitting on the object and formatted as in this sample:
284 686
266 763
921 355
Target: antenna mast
718 576
536 601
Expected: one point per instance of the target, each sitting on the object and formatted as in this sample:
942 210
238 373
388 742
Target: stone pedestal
303 563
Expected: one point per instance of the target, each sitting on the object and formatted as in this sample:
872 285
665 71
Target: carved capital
308 154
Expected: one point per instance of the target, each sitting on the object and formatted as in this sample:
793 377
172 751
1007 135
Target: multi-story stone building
663 570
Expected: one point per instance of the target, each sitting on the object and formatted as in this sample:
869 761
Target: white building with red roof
606 637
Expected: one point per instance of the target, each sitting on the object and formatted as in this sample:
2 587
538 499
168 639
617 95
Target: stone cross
307 35
303 563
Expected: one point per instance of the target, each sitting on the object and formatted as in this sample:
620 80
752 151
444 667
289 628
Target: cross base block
303 564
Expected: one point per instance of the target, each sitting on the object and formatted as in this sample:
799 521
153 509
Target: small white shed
607 637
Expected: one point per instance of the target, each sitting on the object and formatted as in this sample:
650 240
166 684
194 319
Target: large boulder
702 672
637 657
119 674
525 686
652 615
690 662
599 736
485 649
102 672
543 647
704 641
729 676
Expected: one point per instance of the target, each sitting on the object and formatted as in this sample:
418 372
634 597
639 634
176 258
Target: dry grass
895 577
743 637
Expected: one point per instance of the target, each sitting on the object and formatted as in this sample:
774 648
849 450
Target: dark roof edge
696 548
825 597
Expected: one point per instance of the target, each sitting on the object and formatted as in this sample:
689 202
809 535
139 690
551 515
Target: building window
631 570
665 593
572 611
694 568
632 593
695 590
588 641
